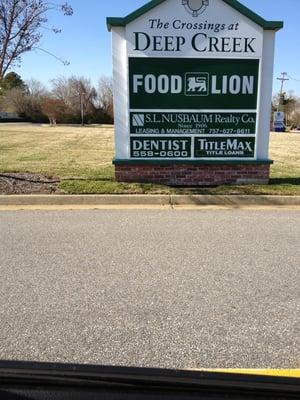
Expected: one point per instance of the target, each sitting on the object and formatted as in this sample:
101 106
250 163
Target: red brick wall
193 174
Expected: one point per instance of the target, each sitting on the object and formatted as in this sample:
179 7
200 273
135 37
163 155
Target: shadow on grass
285 181
88 179
106 184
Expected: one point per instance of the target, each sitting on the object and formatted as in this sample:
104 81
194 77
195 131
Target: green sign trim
198 161
268 25
193 83
186 147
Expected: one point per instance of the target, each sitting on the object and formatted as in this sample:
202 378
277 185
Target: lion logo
197 85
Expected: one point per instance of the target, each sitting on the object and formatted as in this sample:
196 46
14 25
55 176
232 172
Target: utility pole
283 78
82 96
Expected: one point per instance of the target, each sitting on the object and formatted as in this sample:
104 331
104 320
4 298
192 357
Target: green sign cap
267 25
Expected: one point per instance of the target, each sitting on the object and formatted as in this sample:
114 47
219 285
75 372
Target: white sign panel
278 116
195 28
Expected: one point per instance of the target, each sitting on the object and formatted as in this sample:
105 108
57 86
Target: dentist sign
192 83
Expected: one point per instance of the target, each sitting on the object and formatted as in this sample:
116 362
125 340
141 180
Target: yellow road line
291 373
236 207
83 207
58 207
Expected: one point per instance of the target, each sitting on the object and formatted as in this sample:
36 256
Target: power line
293 79
283 78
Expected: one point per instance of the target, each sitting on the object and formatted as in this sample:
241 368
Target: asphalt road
187 289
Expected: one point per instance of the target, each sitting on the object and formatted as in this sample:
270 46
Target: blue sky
86 43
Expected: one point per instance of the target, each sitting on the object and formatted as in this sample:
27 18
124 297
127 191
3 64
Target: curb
235 200
162 200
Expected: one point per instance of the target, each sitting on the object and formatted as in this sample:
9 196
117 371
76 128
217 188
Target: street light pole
82 94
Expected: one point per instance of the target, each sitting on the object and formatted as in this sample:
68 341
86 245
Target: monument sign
192 92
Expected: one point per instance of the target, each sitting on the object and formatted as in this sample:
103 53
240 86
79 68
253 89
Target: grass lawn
81 158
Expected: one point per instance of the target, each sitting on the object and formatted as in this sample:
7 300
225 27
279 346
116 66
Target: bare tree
26 102
77 93
21 24
105 94
36 88
290 104
15 100
54 109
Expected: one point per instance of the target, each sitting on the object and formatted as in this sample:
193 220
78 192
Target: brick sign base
193 174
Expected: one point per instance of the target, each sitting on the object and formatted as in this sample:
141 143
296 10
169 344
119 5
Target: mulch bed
23 183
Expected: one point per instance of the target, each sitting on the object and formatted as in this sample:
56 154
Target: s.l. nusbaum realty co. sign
192 81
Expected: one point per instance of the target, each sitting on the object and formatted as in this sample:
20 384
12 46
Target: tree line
290 104
69 100
75 100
